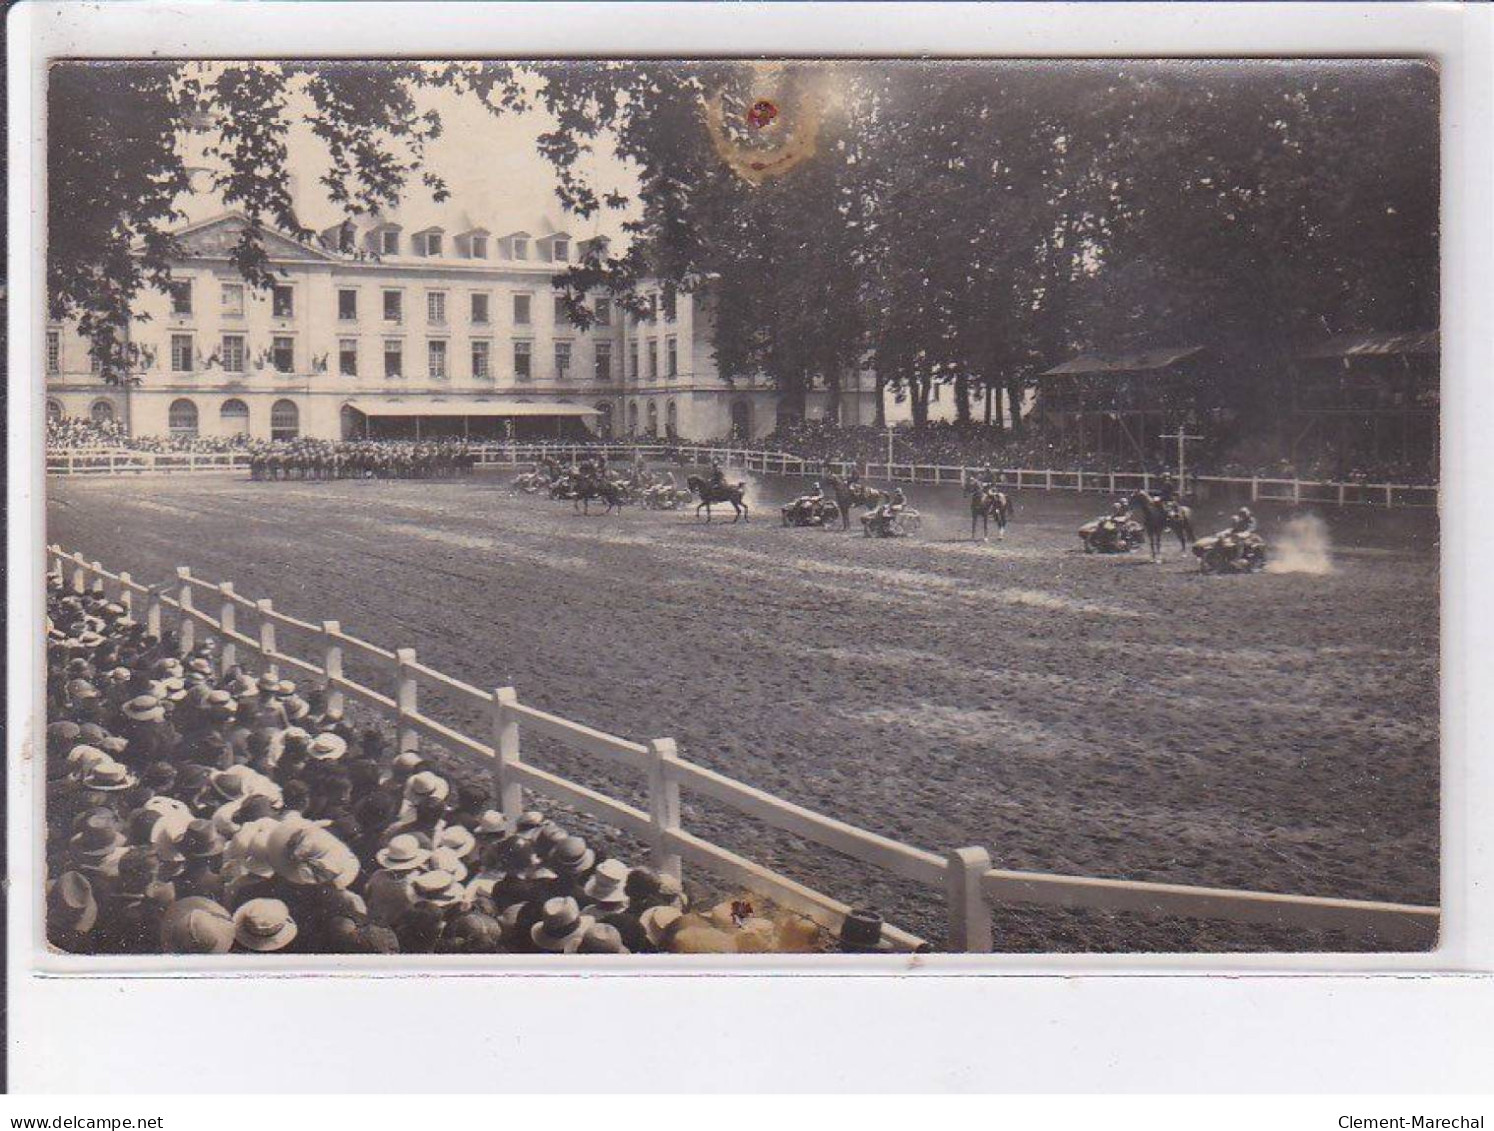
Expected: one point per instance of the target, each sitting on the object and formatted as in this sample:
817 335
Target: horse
986 503
727 493
1158 519
590 488
848 495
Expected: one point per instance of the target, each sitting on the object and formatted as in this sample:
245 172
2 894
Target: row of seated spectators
66 433
954 445
201 810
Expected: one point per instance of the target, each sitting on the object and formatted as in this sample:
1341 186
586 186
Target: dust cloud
1302 546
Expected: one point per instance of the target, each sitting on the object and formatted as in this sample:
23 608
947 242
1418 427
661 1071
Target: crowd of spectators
71 433
195 809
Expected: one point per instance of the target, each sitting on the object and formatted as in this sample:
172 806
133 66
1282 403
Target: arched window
604 422
54 409
653 418
671 419
741 420
633 419
181 418
235 415
102 412
285 420
354 423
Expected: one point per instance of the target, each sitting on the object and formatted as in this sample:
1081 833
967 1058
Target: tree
119 135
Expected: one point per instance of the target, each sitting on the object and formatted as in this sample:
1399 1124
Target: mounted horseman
987 502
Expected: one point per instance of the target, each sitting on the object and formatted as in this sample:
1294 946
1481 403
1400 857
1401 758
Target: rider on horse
718 476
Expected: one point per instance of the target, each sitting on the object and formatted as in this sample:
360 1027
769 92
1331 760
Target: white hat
263 925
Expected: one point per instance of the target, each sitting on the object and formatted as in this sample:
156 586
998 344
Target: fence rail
963 878
118 461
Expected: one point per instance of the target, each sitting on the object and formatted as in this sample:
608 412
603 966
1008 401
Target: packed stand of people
76 433
195 812
944 443
361 459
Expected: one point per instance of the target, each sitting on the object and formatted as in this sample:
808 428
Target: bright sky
496 176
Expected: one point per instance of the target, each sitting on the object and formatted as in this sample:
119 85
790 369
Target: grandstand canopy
1139 361
374 406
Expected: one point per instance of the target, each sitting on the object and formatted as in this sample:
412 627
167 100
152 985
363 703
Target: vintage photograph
741 508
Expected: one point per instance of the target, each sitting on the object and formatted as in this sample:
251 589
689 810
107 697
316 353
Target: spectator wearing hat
562 926
144 725
201 848
72 913
197 925
263 926
604 890
132 912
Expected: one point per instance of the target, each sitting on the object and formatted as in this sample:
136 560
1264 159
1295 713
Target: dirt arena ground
1078 714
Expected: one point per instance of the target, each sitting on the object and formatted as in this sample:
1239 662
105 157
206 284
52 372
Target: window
671 420
436 355
285 420
521 249
345 232
522 351
671 357
482 354
479 247
235 417
604 361
433 243
54 351
480 309
283 302
232 353
562 361
653 361
604 312
653 308
102 412
633 360
347 357
435 307
633 419
671 306
521 310
347 306
283 352
389 242
653 418
562 251
95 363
54 410
394 357
562 318
232 297
181 418
181 296
181 353
394 306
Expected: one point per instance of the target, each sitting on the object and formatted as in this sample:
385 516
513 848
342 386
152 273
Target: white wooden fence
963 878
119 461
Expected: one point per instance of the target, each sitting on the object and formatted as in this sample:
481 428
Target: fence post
506 753
1255 488
126 595
1079 481
80 579
1296 491
97 569
1389 499
153 615
406 698
267 638
332 664
228 625
663 804
1047 481
969 917
186 628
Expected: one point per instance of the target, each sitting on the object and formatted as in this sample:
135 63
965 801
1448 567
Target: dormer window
389 242
521 249
345 237
479 247
562 251
433 243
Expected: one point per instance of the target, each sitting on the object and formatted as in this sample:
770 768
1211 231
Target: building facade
376 330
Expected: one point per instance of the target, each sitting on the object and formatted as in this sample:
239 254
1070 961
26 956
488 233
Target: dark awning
1140 361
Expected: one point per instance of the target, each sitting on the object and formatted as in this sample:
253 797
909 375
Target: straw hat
81 689
571 857
446 860
658 921
606 886
402 854
328 747
107 777
267 684
71 905
263 925
144 709
426 786
563 925
492 823
82 758
439 887
458 840
601 938
196 925
407 762
201 839
304 852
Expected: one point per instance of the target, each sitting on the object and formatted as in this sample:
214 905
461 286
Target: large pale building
379 330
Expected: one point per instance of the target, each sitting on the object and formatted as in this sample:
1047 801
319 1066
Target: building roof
1140 361
1371 345
428 406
